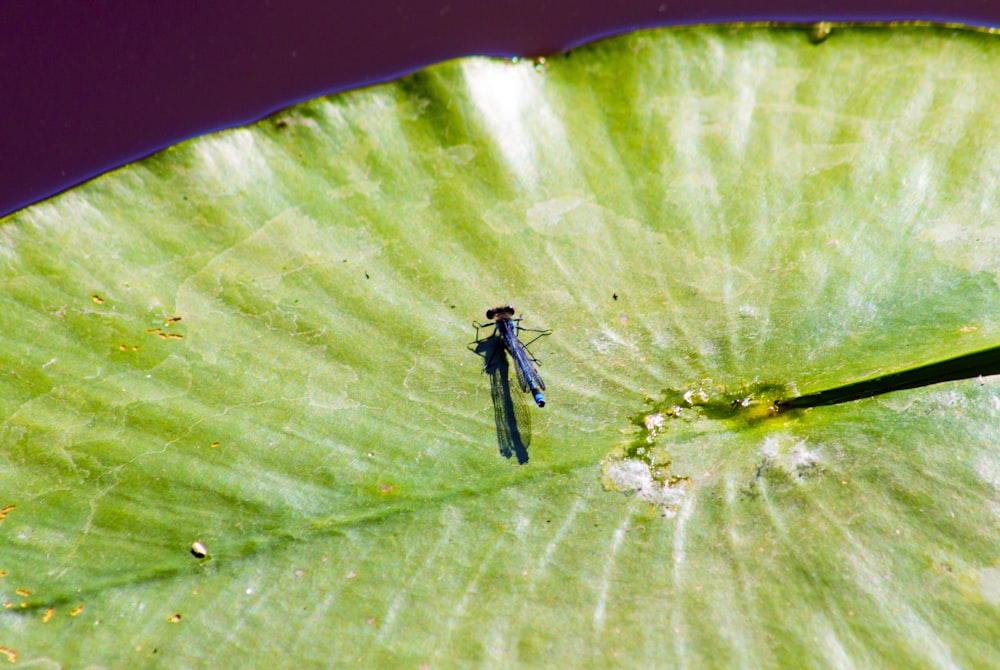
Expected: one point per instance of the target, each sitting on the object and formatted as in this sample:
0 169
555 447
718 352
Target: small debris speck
76 610
175 618
820 31
198 550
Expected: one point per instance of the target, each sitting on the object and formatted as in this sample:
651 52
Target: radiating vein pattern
257 341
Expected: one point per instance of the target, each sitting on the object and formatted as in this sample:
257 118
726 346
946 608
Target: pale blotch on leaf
364 188
790 455
989 585
981 585
460 154
695 397
633 474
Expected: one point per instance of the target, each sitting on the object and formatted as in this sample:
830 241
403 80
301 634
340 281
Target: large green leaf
701 216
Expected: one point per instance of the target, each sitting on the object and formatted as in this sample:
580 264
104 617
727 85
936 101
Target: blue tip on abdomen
540 399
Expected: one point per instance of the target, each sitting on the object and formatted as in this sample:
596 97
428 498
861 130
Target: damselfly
507 329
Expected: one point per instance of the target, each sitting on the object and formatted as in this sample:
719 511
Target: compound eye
510 309
489 313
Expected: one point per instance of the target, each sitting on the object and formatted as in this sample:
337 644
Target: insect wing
519 365
527 374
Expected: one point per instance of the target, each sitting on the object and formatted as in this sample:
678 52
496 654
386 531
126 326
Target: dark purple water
88 86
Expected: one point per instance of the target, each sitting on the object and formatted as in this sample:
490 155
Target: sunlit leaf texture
258 340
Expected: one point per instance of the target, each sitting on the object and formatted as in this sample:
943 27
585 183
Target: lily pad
258 341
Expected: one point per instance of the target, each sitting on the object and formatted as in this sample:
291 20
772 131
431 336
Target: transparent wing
519 366
527 374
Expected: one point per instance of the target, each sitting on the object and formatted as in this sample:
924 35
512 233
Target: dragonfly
507 328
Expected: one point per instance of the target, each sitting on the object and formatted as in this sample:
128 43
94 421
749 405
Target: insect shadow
513 421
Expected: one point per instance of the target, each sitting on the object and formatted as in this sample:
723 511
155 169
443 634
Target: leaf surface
258 340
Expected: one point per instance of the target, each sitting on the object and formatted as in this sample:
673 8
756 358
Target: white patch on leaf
512 102
234 160
790 454
629 474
